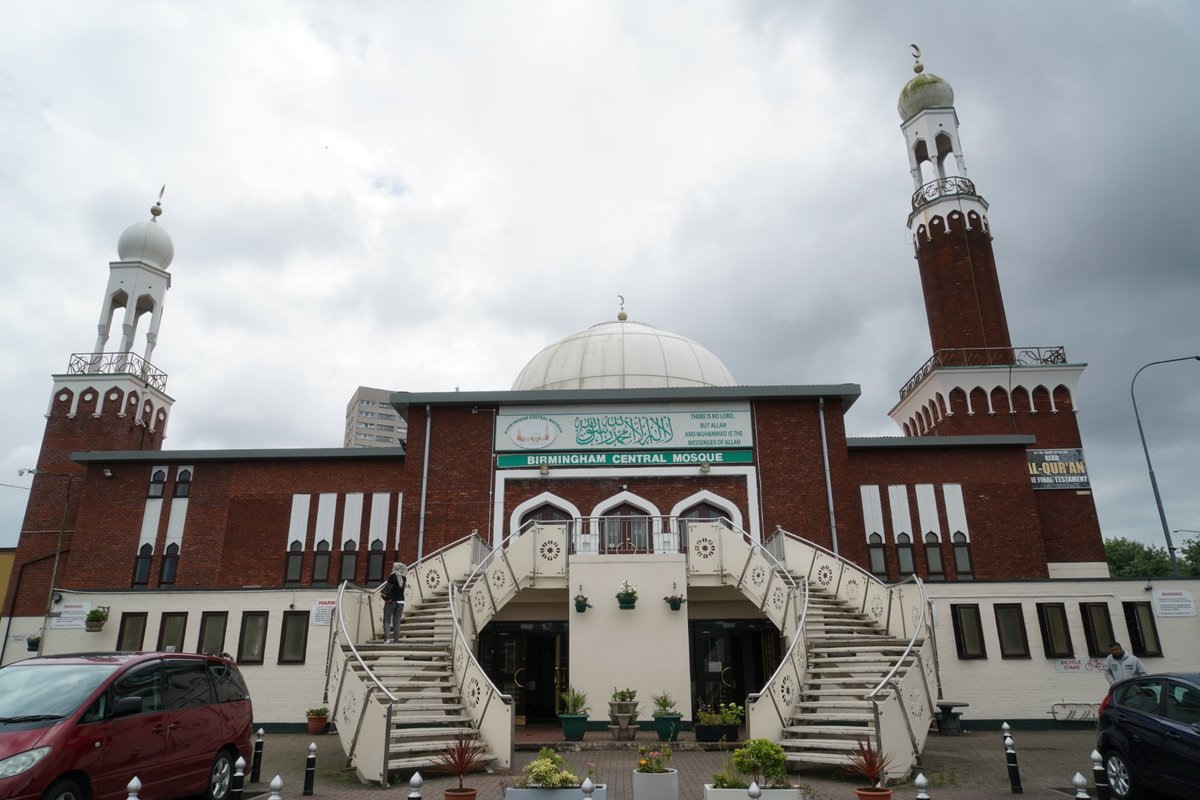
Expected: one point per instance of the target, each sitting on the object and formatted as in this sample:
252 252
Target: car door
113 750
1181 738
1139 711
196 729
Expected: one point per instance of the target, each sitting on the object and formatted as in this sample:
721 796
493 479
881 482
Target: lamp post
1162 515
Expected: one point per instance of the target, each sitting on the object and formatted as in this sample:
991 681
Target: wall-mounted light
57 597
544 469
704 467
108 473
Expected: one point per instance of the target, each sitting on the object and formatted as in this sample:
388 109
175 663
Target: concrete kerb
970 766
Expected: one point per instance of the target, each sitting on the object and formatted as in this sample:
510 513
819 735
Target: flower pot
716 733
93 625
667 726
581 607
573 726
656 785
675 604
872 793
626 604
459 794
32 645
317 725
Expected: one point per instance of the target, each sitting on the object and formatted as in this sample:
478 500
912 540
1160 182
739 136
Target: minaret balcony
943 187
986 357
118 364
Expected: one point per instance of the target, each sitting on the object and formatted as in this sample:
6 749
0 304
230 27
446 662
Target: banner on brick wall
669 426
1058 469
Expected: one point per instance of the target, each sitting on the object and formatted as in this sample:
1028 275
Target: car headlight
15 765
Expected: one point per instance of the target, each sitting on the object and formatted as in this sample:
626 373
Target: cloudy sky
421 196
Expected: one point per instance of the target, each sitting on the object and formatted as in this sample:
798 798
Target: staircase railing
903 714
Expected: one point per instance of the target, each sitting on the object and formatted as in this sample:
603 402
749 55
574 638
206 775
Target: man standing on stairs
392 593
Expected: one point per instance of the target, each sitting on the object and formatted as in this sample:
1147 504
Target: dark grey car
1150 736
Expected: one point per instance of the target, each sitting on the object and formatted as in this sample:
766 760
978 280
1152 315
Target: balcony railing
626 535
942 187
986 357
118 364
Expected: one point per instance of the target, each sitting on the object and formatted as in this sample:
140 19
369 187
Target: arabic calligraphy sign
625 427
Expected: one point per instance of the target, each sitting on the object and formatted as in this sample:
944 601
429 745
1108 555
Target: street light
1162 515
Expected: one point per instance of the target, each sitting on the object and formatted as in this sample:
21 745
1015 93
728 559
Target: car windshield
47 691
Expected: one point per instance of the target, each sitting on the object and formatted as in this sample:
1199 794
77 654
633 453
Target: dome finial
156 209
621 315
918 67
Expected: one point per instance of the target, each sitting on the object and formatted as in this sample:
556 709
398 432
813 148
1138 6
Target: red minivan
81 726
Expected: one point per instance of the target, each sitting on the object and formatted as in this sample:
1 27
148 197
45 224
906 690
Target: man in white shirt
1121 665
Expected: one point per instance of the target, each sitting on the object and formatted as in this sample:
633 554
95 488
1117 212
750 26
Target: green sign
625 459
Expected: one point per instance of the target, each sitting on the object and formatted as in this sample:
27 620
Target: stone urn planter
656 785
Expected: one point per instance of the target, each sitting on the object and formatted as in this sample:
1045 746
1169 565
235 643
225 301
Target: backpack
385 593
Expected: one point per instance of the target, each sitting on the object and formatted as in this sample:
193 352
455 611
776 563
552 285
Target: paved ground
966 767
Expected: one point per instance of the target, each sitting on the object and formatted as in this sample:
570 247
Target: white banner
625 427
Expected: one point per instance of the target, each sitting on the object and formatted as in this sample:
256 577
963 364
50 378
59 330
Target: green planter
581 607
675 604
573 726
667 726
626 605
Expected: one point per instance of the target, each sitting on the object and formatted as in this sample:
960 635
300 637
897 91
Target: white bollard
133 787
1080 784
276 787
587 787
754 792
921 783
414 784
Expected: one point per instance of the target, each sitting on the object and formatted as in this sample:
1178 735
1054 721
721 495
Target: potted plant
574 715
462 755
654 778
622 713
675 600
95 619
720 723
626 596
547 778
317 719
581 601
666 719
758 761
33 642
872 765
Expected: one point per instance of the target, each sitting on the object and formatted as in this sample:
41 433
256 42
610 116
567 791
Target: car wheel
64 789
220 778
1120 779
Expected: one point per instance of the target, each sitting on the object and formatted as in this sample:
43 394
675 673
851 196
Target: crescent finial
918 67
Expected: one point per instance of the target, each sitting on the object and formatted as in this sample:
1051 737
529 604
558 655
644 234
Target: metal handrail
350 640
986 357
117 364
801 636
844 562
920 626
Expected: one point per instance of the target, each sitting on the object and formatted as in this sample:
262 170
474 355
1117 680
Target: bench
949 721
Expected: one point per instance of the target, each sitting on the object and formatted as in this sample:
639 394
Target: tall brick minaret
108 399
976 381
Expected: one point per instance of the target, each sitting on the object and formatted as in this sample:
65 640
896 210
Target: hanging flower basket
626 596
582 605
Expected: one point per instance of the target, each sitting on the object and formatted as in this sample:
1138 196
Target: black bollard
1100 777
310 770
237 785
1014 774
256 761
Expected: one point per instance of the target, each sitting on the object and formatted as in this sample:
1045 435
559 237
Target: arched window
546 513
375 562
962 557
170 564
904 554
933 556
141 566
626 529
349 560
878 557
293 560
320 573
183 483
705 511
158 479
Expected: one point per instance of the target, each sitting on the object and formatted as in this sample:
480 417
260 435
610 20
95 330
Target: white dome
623 355
146 242
922 92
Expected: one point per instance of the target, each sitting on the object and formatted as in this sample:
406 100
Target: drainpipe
828 479
424 487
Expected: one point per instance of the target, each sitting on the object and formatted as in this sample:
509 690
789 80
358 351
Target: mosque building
837 586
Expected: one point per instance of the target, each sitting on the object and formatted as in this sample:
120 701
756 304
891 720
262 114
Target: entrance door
731 659
528 661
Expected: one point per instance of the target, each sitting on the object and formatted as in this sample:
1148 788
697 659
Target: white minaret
930 126
138 283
